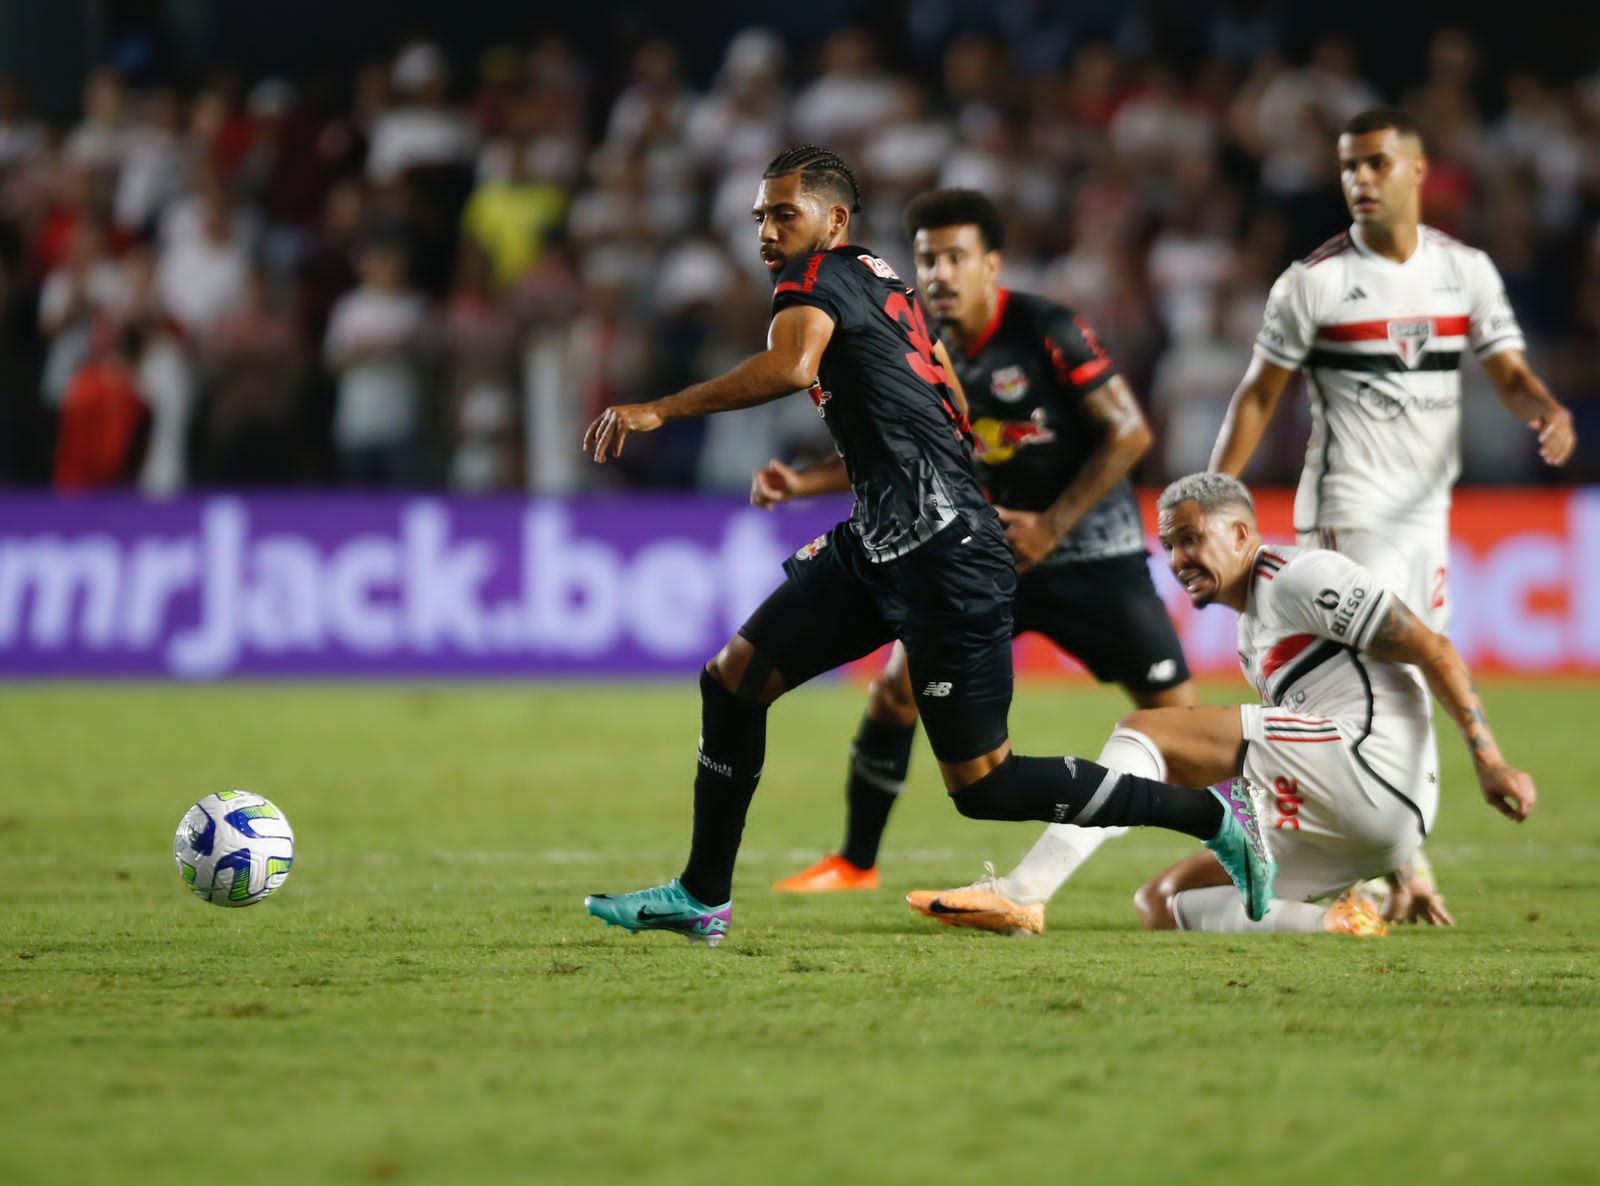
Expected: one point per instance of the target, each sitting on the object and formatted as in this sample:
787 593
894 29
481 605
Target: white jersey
1309 616
1381 344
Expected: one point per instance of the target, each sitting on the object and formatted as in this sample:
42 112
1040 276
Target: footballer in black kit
924 559
1056 432
1027 379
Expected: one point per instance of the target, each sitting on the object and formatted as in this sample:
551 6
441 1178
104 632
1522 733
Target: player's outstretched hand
773 483
611 428
1557 437
1510 792
1414 900
1030 534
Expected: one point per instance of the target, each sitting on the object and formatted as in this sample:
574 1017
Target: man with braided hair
922 559
1057 431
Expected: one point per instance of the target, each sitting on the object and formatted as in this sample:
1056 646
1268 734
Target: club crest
1009 384
1410 338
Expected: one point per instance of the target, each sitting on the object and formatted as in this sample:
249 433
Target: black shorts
1107 615
949 601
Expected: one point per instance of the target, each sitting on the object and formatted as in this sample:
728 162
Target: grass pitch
426 1001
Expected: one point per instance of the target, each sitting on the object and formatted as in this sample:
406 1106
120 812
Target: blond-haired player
1342 739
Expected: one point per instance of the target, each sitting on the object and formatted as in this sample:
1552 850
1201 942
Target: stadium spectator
1132 159
204 265
480 338
105 422
420 129
86 290
375 346
514 209
251 378
851 94
155 167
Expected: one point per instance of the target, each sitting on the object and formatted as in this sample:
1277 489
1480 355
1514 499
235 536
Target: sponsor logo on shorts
938 688
1288 800
1163 670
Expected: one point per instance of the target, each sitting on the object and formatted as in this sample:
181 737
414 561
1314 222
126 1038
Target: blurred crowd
252 282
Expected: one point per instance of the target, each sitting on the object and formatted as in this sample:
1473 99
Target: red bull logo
809 551
997 441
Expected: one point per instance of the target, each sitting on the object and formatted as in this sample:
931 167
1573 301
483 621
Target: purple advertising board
290 586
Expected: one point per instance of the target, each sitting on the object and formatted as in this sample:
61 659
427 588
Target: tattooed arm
1401 638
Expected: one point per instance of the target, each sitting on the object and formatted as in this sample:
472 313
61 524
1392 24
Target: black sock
1078 791
733 744
878 763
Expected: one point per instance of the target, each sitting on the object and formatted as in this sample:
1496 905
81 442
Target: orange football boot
831 874
981 906
1355 914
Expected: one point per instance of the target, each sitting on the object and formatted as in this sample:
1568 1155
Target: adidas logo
1356 294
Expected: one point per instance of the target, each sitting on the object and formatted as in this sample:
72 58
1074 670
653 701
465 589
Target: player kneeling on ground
1343 741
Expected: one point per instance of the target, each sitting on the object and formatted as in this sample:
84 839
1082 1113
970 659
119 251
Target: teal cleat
667 907
1240 845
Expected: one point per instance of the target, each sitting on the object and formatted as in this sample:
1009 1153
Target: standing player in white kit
1377 317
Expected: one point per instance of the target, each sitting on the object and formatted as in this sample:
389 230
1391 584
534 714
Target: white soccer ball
234 848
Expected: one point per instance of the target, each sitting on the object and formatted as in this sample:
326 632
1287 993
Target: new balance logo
1162 671
938 688
1356 294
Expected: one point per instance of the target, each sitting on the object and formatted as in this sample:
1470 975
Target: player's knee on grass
1153 901
745 672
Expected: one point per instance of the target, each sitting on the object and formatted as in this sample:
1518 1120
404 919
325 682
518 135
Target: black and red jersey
886 401
1026 378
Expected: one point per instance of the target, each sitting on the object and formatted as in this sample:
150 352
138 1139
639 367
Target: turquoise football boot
1241 846
667 907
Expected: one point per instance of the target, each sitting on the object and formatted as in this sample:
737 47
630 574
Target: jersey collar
975 347
1366 252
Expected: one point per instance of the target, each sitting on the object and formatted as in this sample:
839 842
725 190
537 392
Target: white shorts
1413 562
1331 822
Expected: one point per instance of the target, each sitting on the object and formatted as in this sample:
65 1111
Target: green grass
426 1002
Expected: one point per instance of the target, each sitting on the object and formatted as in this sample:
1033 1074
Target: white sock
1220 908
1058 853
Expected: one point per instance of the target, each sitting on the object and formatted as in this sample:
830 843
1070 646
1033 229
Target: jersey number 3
921 359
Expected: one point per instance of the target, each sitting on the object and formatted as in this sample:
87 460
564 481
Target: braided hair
821 171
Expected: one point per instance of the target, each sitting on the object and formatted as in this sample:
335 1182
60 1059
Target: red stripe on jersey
975 347
806 282
1301 740
1285 650
1089 371
1370 331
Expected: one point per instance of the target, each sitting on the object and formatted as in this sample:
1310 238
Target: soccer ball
234 848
